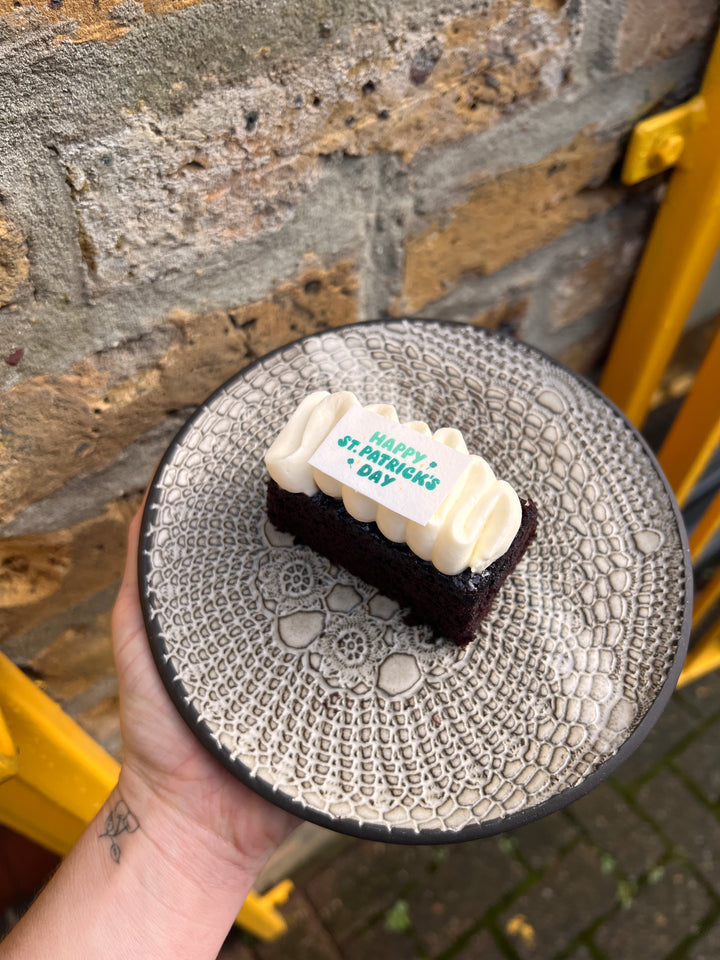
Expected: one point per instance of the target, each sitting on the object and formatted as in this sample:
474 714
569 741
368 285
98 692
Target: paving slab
542 841
306 939
700 761
379 943
464 886
236 947
617 829
481 946
676 722
659 918
570 896
707 947
582 953
703 695
365 881
308 845
596 875
688 824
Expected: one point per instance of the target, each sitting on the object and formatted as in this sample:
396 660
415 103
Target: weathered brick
507 216
76 666
318 300
457 77
594 279
585 355
652 31
45 574
569 897
161 191
76 659
84 496
83 20
79 422
33 567
14 266
658 919
28 644
102 722
506 316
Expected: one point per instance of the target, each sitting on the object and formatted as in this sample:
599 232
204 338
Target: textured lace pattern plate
309 685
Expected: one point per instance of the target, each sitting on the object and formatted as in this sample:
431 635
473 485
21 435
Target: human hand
165 763
186 839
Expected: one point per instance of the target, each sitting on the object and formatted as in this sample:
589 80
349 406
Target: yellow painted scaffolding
681 248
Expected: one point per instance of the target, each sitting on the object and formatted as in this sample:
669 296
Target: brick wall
186 185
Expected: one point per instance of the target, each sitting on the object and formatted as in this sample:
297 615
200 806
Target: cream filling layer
473 526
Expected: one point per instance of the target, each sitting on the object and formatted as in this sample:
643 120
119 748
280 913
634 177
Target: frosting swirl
473 526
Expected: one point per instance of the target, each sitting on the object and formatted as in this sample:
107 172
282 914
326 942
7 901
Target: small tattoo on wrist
119 820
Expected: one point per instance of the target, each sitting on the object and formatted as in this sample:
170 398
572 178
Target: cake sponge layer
452 605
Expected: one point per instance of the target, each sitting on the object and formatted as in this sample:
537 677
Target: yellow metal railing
695 432
684 240
683 244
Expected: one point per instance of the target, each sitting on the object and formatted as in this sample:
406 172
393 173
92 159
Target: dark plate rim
473 831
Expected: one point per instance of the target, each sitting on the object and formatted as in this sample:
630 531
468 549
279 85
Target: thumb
127 618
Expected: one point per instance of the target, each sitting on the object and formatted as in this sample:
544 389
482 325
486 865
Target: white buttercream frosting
473 526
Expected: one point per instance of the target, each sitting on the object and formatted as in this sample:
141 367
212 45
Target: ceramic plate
310 687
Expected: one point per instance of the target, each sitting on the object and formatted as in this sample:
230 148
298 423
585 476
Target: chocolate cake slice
409 511
452 605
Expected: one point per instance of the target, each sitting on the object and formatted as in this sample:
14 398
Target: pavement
629 872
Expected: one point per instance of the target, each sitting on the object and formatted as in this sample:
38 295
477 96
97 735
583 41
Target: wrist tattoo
119 820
